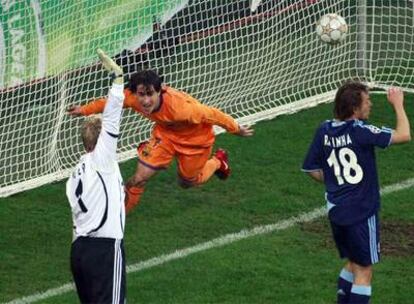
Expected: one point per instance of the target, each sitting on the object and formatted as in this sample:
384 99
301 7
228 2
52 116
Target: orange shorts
159 152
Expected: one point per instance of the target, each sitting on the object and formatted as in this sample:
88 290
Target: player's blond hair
90 130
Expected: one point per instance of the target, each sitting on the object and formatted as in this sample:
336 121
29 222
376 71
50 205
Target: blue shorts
359 243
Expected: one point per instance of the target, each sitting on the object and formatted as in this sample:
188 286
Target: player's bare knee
141 183
363 274
138 180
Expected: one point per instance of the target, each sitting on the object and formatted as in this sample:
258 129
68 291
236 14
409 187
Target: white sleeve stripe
310 170
390 141
370 127
388 130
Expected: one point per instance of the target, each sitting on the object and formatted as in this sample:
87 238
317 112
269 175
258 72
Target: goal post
252 59
362 38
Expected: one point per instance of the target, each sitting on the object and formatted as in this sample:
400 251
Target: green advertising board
43 38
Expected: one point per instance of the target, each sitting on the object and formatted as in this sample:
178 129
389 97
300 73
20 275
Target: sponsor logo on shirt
373 129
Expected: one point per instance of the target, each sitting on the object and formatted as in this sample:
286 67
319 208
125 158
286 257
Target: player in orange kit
183 130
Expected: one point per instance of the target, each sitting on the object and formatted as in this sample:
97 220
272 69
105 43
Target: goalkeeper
96 198
183 130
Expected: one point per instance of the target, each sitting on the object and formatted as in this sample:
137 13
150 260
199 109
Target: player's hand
245 131
395 97
74 111
109 64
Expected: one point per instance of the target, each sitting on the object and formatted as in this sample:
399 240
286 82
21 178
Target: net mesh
252 59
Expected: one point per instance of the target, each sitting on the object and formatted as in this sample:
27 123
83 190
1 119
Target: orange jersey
180 117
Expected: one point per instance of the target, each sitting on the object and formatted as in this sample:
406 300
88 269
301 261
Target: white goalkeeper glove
111 67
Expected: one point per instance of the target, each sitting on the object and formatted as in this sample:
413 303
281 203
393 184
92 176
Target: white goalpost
254 59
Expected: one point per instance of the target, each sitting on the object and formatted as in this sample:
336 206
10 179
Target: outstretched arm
105 150
94 107
113 108
401 134
199 113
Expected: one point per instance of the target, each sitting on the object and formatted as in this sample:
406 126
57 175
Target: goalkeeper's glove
111 67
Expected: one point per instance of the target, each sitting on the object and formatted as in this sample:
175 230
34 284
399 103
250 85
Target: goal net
253 59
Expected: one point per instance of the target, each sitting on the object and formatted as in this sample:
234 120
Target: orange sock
208 170
132 197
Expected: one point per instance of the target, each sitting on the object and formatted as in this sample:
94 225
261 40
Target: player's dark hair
146 78
348 98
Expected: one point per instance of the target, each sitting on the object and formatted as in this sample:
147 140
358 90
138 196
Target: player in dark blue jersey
342 156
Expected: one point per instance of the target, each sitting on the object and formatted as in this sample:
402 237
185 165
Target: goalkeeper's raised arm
105 151
96 196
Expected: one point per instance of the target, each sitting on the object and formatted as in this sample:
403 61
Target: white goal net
253 59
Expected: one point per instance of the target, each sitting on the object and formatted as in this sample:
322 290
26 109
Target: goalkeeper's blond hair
90 130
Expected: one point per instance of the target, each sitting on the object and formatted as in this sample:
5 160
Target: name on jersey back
337 142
